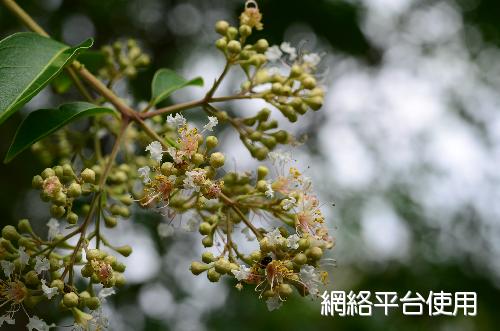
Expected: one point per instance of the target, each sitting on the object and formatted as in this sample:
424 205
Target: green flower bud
92 303
217 160
261 186
260 153
197 268
234 47
88 176
314 253
255 136
245 30
37 182
269 142
31 278
10 233
198 159
205 228
207 241
68 170
262 172
60 199
281 136
70 300
315 102
124 250
261 45
211 142
264 114
207 257
27 242
265 246
221 27
268 294
221 44
72 218
222 266
119 278
213 275
48 172
57 211
300 259
232 33
95 254
6 244
222 116
168 169
285 290
309 82
110 221
118 266
58 283
304 244
277 88
296 71
58 170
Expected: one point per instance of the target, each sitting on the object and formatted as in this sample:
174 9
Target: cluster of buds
123 59
61 186
105 269
59 146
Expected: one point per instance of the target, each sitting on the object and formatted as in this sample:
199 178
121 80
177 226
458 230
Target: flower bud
59 199
27 242
304 244
68 170
205 228
281 136
264 114
88 176
261 186
37 182
221 27
92 303
31 278
70 300
197 268
10 233
232 32
222 266
296 71
213 275
57 211
245 30
58 283
211 142
119 278
217 160
207 257
269 142
207 241
124 250
110 221
167 169
277 88
234 47
48 172
262 172
260 153
221 44
265 246
72 218
198 159
300 259
315 102
261 45
58 170
314 253
126 200
6 244
285 290
309 82
118 266
95 254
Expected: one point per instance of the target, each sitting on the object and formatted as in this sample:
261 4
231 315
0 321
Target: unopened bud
88 176
37 182
221 27
197 268
245 30
213 275
72 218
57 211
207 257
124 250
92 303
70 300
10 233
261 46
221 44
48 172
217 160
315 253
234 46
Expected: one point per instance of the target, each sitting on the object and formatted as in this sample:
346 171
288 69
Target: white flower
312 59
212 122
53 226
49 291
144 174
242 274
165 230
6 319
269 191
289 203
273 53
37 324
177 120
273 303
310 278
274 237
156 151
248 234
293 241
291 51
106 292
8 268
280 158
41 264
24 258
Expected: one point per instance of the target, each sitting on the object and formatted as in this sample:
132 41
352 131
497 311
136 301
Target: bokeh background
407 147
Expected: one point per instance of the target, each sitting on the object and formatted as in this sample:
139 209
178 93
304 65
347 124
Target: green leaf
28 62
41 123
166 81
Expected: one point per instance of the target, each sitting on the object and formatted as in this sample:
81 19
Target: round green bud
70 300
234 47
314 253
207 241
119 267
119 278
31 278
309 82
10 233
277 88
211 142
198 159
205 228
59 199
88 176
281 136
222 116
58 283
207 257
246 85
300 259
27 242
213 275
58 170
296 71
72 218
287 90
261 153
265 246
315 102
262 172
221 27
124 250
217 160
261 186
110 221
92 303
245 30
255 136
126 200
212 219
264 114
221 44
304 244
8 245
95 254
68 170
261 45
285 290
57 211
37 182
255 256
197 268
222 266
110 259
48 172
269 142
232 32
167 169
268 294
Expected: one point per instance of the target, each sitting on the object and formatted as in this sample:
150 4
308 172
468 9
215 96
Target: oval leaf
43 122
166 81
28 62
